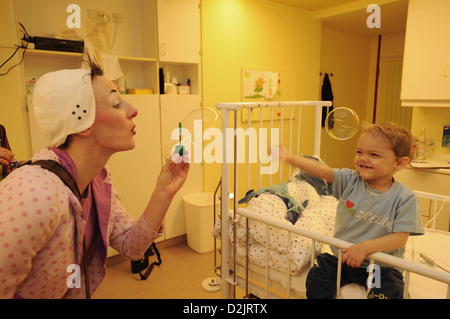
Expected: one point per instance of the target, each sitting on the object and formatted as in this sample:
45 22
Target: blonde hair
398 136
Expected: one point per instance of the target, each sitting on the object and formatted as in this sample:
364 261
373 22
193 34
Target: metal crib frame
227 270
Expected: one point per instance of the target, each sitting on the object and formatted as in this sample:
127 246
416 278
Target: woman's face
113 128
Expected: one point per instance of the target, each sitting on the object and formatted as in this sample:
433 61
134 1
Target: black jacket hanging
327 95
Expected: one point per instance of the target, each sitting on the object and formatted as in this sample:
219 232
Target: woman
43 225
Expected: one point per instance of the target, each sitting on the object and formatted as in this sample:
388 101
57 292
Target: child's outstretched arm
308 165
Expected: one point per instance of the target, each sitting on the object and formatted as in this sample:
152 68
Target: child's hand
282 152
354 255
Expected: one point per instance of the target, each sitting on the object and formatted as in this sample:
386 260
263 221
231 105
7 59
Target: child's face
375 161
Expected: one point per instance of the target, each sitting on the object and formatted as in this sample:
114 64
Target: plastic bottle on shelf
422 146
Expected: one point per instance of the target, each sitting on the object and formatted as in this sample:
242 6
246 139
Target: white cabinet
174 108
135 172
426 66
146 27
179 30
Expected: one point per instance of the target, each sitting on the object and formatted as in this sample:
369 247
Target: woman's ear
402 162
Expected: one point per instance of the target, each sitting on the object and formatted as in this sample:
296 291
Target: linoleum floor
179 276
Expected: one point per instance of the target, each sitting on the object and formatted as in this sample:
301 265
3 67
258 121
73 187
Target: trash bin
199 216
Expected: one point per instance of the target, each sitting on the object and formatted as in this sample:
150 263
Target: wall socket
117 17
102 16
98 15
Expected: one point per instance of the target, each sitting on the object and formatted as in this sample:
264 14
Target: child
374 212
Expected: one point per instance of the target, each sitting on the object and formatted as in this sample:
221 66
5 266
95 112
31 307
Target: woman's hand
173 174
6 156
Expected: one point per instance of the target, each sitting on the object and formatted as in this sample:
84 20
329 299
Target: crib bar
260 164
226 291
317 134
281 139
235 201
433 224
249 148
434 199
290 134
437 197
298 130
247 257
289 269
338 275
270 137
266 283
370 277
240 105
406 286
313 251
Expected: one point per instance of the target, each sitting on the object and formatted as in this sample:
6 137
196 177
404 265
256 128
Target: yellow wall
261 35
348 56
433 120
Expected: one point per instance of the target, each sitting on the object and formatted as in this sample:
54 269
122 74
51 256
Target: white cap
64 104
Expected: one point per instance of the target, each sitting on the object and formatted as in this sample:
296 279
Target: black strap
69 181
150 268
62 172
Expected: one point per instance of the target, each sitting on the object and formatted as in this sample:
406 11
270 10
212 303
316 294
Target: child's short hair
398 136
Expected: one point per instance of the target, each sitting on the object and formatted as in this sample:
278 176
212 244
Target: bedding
435 244
318 215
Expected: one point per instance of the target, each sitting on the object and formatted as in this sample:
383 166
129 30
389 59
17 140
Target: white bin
199 215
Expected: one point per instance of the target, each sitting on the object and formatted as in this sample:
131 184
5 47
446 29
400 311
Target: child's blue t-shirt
364 213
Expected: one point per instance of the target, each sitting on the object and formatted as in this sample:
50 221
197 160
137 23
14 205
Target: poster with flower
267 86
260 84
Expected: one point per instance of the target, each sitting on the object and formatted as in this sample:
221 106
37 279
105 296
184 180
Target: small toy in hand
179 148
13 164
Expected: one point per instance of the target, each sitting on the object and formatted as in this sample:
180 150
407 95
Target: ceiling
351 15
314 5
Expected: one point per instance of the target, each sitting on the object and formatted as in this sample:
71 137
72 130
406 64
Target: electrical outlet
98 15
117 17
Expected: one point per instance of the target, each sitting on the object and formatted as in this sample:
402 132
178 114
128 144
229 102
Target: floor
179 276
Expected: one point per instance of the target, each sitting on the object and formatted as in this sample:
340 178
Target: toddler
375 212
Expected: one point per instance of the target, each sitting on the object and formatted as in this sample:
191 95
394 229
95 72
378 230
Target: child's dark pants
321 280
